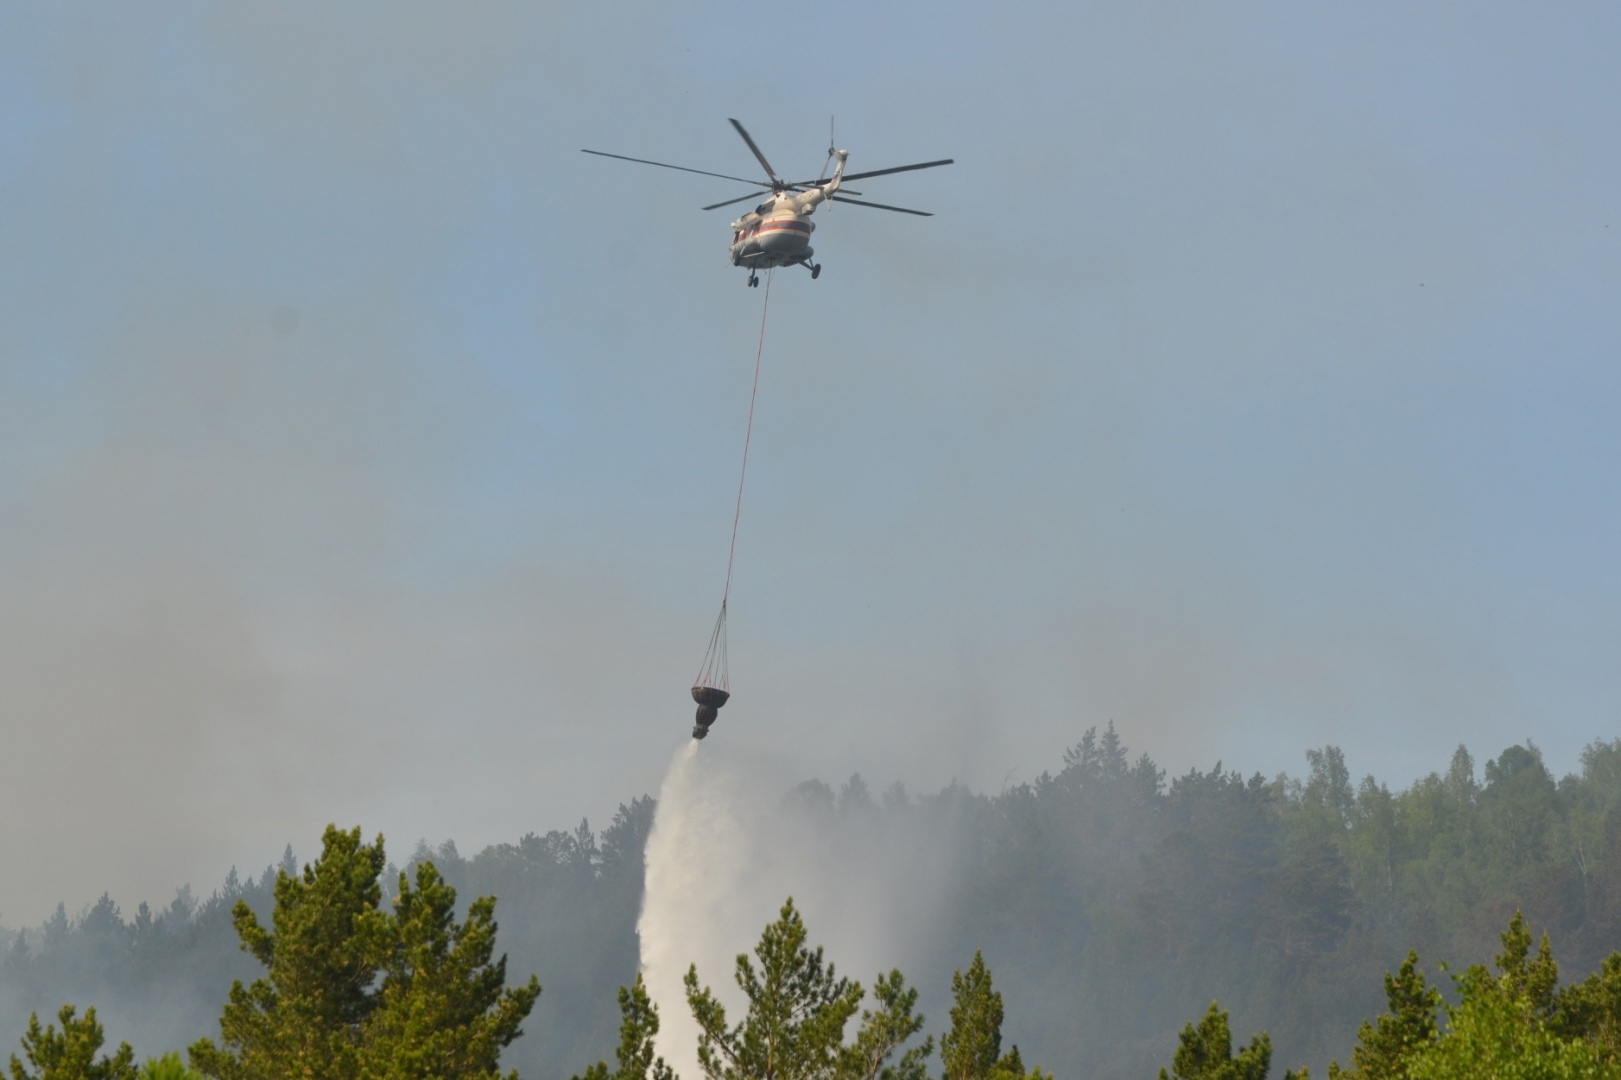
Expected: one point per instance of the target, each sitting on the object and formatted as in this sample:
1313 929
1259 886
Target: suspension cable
713 671
748 436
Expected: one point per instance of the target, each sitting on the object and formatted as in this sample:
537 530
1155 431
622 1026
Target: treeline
1113 902
1115 905
568 907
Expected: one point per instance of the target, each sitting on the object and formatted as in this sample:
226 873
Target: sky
367 452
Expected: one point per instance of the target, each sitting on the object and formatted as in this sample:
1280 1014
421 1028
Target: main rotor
776 185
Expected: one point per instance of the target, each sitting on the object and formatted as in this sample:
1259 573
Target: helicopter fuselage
778 231
776 237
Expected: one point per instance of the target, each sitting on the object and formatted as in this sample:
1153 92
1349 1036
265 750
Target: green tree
168 1067
635 1057
1496 1031
1530 980
352 991
444 1011
1385 1045
972 1050
798 1010
883 1031
70 1054
1591 1010
329 943
1206 1052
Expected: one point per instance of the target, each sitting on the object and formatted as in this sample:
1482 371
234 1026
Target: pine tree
972 1050
1383 1047
798 1009
636 1057
71 1053
1495 1031
1206 1052
353 992
1591 1010
329 943
1532 980
444 1010
883 1031
168 1067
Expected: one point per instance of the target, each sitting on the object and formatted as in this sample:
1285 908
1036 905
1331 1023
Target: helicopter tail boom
807 201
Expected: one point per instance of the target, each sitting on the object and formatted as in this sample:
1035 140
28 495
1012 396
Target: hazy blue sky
367 452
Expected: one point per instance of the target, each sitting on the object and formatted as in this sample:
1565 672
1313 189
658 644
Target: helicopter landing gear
816 271
754 280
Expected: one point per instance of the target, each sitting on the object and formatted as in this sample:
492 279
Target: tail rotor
832 150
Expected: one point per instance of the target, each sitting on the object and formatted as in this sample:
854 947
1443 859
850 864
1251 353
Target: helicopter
777 232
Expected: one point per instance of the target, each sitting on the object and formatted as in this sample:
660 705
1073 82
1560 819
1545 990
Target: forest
1113 903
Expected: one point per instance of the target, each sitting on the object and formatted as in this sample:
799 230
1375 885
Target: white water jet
696 856
724 854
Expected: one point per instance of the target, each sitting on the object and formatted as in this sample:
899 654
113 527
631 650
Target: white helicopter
777 232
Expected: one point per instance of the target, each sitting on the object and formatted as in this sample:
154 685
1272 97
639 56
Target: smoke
728 848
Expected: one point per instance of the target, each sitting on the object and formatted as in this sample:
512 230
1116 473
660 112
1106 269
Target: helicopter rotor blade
753 195
880 206
807 185
899 168
683 168
769 171
728 202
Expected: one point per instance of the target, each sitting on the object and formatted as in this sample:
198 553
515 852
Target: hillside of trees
1113 903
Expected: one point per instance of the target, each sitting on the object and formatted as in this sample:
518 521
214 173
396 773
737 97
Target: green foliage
305 1017
1383 1046
1531 981
352 991
168 1067
569 902
1513 1026
798 1010
444 1010
636 1057
1206 1052
884 1030
1591 1010
972 1049
70 1054
1497 1030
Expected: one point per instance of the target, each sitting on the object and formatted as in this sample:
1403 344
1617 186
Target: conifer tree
1384 1046
168 1067
1591 1010
329 942
1206 1052
354 992
798 1010
1496 1031
883 1031
1531 980
798 1007
70 1054
444 1010
972 1050
636 1058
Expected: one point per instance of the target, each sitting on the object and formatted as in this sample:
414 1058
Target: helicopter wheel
754 281
816 271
